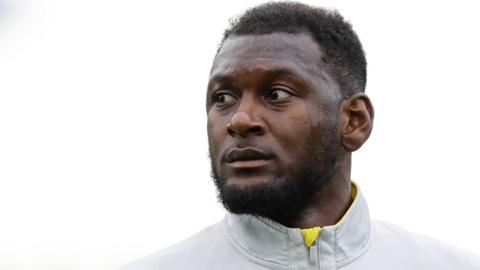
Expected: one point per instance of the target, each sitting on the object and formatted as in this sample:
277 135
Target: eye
223 99
278 95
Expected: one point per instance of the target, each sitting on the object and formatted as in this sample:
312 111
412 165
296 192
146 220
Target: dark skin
268 96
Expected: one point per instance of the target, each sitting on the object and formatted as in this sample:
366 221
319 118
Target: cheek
293 132
216 132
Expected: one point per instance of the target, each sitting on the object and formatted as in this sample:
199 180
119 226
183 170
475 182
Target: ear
356 121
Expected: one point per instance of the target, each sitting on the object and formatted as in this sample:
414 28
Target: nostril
230 131
256 129
242 126
242 132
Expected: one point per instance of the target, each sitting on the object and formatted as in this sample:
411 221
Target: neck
331 203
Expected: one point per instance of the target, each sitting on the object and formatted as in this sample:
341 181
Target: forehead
298 53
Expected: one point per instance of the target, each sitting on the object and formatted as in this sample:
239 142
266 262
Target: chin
255 195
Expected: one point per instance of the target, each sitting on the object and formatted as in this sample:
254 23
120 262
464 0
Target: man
286 109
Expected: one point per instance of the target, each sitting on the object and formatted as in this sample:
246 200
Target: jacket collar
264 240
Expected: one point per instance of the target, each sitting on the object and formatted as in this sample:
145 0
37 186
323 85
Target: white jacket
355 242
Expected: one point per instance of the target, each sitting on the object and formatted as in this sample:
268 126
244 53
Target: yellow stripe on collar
310 235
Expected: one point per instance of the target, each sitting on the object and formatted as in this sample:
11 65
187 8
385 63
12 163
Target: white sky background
103 147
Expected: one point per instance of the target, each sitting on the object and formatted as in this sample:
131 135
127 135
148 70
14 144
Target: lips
246 154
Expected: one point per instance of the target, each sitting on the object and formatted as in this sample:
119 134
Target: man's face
272 124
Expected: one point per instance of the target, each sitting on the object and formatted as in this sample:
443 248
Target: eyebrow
219 78
278 72
271 73
289 72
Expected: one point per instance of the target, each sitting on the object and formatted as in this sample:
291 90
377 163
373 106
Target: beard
288 193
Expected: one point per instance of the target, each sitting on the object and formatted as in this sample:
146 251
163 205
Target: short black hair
344 55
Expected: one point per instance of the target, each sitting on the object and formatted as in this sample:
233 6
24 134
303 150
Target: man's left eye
278 95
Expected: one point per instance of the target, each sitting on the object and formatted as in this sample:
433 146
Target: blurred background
103 147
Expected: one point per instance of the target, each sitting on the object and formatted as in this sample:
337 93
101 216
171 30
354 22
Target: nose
243 124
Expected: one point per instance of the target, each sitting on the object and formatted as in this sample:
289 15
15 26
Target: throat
327 208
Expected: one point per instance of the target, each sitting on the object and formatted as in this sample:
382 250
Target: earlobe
356 121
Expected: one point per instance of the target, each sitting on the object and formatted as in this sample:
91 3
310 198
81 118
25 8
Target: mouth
247 158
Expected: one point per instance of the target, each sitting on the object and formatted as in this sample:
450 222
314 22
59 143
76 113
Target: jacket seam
335 248
266 222
355 257
339 230
233 238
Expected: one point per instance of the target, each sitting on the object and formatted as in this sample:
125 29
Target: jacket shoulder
182 255
431 253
